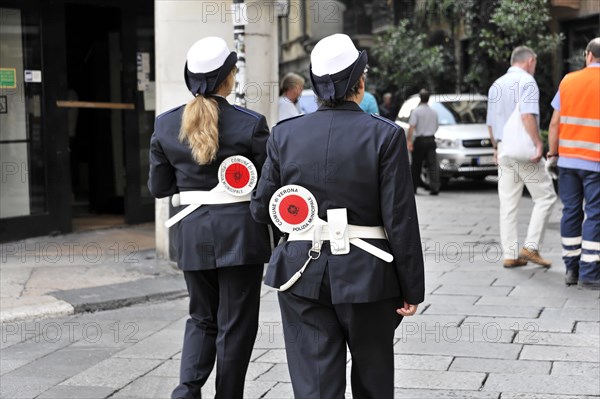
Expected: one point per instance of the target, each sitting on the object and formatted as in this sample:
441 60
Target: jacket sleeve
259 143
161 180
268 183
399 214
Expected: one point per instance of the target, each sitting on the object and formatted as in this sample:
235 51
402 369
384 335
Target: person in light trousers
518 86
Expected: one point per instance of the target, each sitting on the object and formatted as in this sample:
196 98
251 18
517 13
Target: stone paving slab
25 387
150 387
161 345
587 327
448 380
500 366
457 289
565 353
591 370
76 392
420 362
557 339
462 349
512 395
113 373
531 325
443 394
578 314
484 310
511 301
552 384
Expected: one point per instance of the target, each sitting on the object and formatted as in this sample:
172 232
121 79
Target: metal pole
240 49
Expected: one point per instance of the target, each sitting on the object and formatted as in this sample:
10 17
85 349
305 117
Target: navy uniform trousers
224 305
316 332
346 159
220 249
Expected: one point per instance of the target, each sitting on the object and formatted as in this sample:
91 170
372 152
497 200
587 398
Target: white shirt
515 86
424 119
287 109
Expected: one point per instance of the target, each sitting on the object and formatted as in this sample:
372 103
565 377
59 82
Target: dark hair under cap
334 87
207 83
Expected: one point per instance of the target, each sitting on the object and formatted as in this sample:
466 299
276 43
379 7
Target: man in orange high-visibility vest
574 139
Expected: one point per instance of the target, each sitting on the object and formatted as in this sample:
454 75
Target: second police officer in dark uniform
346 159
220 248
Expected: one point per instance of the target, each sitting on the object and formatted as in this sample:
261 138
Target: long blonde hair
200 123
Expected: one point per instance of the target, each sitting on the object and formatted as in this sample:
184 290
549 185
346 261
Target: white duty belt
237 178
293 210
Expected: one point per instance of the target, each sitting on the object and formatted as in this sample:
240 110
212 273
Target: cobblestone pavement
483 331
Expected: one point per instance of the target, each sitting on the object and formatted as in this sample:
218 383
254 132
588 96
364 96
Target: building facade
81 82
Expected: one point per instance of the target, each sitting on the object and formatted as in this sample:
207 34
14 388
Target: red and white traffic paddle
293 209
237 178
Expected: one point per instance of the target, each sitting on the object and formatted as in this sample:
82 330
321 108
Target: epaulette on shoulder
289 119
386 120
169 111
247 111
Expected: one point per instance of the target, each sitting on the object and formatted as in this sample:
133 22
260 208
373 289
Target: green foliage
512 23
405 63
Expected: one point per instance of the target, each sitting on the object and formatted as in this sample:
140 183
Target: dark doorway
94 56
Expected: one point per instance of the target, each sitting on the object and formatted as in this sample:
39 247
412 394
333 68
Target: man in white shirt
289 92
423 123
518 87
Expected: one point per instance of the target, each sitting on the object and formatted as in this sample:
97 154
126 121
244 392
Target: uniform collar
345 106
222 101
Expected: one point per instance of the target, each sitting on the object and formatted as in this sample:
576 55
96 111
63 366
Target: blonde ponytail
200 128
200 123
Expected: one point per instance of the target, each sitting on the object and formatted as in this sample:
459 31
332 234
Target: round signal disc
238 175
293 209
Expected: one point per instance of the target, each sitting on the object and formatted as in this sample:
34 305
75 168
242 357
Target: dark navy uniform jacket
213 235
347 159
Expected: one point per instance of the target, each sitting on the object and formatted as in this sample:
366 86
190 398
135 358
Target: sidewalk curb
104 297
57 308
114 296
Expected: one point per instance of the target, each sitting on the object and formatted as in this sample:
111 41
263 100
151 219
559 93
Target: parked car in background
464 148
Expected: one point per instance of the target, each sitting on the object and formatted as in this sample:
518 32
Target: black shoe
434 193
589 285
571 277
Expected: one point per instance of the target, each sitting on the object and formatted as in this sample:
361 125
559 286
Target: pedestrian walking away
574 147
351 265
423 123
207 154
290 90
516 93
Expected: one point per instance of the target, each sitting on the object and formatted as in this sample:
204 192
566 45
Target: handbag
516 142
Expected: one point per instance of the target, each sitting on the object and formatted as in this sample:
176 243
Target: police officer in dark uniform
346 159
220 248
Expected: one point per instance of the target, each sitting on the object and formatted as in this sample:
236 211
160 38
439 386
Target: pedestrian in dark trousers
356 166
423 123
574 141
220 249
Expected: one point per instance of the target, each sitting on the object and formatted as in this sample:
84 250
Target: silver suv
464 148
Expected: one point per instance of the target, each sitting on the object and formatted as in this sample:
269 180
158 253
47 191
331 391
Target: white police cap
208 63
